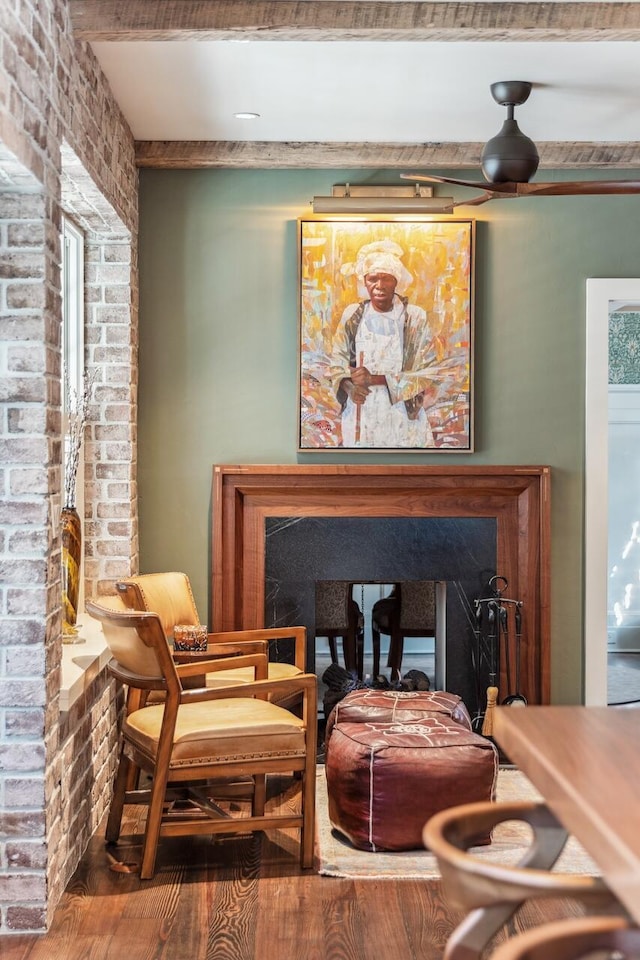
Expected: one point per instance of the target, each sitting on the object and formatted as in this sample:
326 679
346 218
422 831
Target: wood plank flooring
244 899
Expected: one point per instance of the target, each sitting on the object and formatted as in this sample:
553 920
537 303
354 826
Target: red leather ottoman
386 779
387 706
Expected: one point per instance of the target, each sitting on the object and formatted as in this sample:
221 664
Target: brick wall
64 146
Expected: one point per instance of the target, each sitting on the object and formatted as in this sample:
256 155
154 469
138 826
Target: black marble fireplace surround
461 551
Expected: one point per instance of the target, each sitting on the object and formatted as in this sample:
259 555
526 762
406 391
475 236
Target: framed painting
386 334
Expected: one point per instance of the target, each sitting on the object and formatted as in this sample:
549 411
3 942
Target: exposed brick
25 234
27 693
27 660
21 756
21 918
26 389
27 420
25 887
27 359
18 265
21 571
55 92
117 294
24 722
23 511
29 541
113 471
27 327
22 296
116 253
23 793
22 823
28 480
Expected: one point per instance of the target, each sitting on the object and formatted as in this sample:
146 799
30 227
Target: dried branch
77 407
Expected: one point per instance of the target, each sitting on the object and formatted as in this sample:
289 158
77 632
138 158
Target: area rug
337 858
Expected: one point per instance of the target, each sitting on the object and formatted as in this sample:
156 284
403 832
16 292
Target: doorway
612 663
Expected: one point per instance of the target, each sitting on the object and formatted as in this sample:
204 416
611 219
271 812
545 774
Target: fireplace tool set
498 633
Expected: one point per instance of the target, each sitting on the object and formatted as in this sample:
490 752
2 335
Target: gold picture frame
385 334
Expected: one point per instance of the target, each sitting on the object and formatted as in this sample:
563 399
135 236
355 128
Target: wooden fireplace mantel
518 497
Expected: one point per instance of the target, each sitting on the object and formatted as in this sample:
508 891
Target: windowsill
82 662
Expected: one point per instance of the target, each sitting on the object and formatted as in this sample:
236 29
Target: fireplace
279 529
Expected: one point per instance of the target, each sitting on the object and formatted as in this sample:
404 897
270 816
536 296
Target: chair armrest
215 652
306 683
297 634
200 667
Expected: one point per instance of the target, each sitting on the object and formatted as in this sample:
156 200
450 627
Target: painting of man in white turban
386 335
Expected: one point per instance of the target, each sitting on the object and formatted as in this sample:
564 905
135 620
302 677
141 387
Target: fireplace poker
476 654
517 699
504 626
492 689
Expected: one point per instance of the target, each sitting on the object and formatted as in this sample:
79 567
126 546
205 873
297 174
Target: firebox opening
382 631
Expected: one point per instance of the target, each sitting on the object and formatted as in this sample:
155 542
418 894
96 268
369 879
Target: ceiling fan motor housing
510 156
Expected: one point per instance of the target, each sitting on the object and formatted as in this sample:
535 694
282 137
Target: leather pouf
393 706
385 780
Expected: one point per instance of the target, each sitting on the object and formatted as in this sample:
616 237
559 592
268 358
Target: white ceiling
402 92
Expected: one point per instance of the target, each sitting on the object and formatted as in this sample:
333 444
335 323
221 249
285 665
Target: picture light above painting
386 334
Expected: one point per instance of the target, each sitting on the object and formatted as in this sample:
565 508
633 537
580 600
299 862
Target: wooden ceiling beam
391 20
190 155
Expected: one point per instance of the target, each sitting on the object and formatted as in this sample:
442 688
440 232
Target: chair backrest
418 605
332 604
120 626
167 594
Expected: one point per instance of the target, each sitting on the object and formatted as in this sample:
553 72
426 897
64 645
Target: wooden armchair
170 596
492 892
583 938
194 737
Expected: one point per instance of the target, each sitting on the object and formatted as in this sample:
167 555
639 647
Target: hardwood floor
244 899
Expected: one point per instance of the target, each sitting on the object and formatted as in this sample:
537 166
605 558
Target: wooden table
585 761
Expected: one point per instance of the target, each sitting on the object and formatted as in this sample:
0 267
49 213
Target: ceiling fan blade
507 188
577 188
476 201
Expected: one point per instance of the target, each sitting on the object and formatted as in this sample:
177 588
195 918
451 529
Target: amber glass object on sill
71 535
190 636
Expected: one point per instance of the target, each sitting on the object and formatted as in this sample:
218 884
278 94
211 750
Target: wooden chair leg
360 653
395 655
259 794
375 639
333 649
307 839
470 938
154 822
349 651
123 775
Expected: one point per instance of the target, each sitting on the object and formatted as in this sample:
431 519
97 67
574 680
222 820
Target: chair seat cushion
209 731
277 671
385 780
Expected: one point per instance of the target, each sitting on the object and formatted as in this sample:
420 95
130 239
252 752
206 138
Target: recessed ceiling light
246 116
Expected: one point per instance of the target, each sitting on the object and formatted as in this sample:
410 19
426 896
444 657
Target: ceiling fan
510 159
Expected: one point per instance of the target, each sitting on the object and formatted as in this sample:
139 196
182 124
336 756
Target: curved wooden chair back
167 594
574 939
494 891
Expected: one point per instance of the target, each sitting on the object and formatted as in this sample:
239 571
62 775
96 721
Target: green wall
218 344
